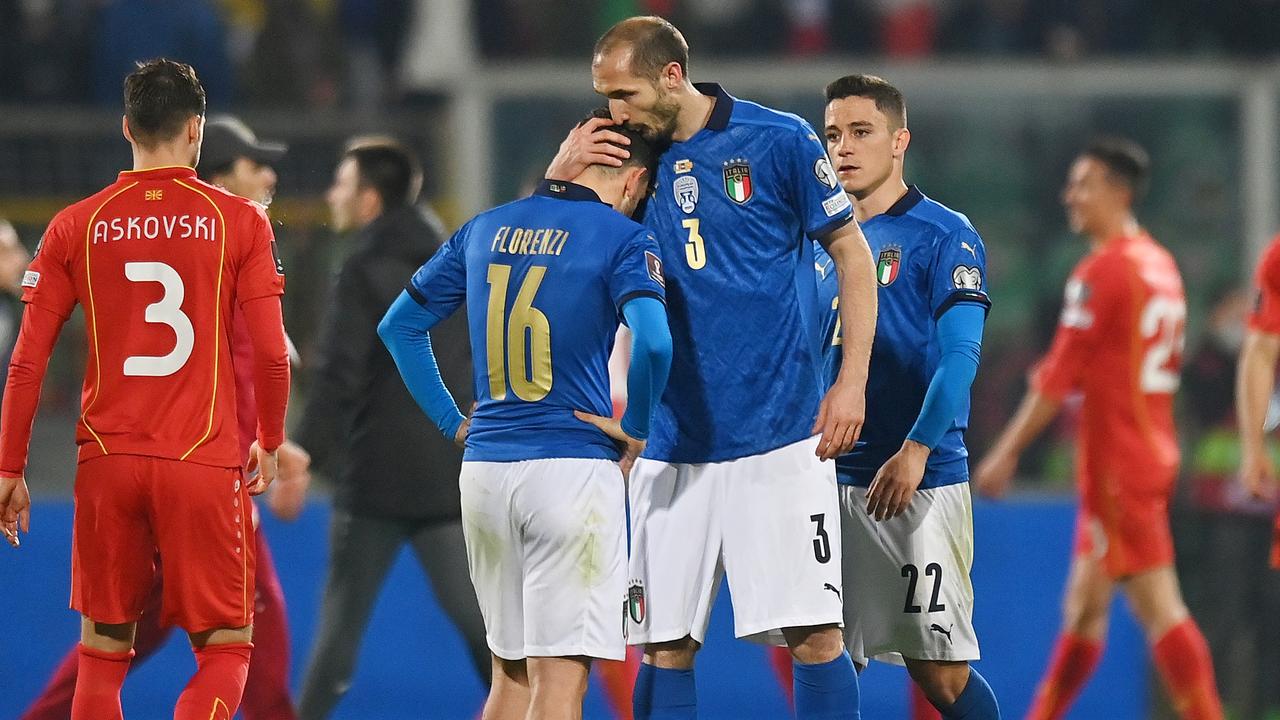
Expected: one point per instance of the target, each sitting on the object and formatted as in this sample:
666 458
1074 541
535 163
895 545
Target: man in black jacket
396 477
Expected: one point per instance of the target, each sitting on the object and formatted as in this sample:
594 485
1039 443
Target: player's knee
510 672
1156 601
673 654
942 682
107 637
814 645
222 636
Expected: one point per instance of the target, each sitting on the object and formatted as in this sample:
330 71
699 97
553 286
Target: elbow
387 330
657 348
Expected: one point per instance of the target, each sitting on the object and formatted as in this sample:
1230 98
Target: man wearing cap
234 159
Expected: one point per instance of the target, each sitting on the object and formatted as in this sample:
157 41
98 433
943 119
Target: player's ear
901 139
195 129
124 128
672 75
636 180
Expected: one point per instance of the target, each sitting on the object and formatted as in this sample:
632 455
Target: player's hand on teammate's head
840 418
261 469
629 447
591 143
460 437
994 475
288 494
895 483
15 508
1258 476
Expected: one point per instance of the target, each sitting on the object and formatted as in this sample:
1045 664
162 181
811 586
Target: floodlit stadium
370 131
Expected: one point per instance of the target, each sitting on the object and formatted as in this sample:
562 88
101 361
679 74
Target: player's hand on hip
265 464
627 445
895 484
994 475
1258 476
592 143
460 437
15 508
288 493
840 418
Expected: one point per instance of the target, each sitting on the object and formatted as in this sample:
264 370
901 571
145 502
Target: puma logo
938 629
970 248
832 588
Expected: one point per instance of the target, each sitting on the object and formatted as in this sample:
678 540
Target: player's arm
646 377
265 320
843 410
959 333
590 143
1255 383
405 330
30 360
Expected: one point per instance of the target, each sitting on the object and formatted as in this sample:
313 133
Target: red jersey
1265 316
158 260
1120 342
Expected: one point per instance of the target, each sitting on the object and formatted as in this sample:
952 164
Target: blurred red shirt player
1119 343
160 262
1255 383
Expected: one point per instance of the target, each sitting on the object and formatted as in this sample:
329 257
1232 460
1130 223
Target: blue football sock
977 702
826 691
664 694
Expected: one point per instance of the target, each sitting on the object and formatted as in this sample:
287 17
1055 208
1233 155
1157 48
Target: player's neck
695 112
878 201
160 157
1122 226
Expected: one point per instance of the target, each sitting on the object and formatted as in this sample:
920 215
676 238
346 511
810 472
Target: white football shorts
770 522
546 545
907 588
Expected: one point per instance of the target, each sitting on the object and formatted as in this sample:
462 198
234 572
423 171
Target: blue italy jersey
731 207
544 279
928 258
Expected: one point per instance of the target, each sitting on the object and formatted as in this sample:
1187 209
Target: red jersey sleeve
1265 316
260 273
48 282
1095 292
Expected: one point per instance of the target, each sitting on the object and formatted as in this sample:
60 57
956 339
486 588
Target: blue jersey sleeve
440 286
959 333
650 363
812 185
637 271
959 272
405 331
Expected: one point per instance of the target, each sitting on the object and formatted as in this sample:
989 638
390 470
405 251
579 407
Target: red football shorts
1126 527
198 518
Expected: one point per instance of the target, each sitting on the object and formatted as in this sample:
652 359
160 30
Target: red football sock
98 681
214 691
1183 659
1074 659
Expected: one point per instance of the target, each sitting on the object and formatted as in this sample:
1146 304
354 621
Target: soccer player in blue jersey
732 481
545 280
907 517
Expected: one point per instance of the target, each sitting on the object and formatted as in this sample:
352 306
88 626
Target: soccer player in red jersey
1255 383
232 158
160 262
1119 343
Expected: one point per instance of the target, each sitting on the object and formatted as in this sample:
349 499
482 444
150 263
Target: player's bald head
160 97
653 42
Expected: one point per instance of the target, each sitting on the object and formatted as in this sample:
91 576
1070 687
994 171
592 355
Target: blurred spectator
13 261
42 49
294 59
128 31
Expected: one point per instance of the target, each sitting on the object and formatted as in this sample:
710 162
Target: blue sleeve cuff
404 330
650 362
959 332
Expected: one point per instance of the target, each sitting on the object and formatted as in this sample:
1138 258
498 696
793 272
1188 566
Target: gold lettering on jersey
528 241
155 227
155 194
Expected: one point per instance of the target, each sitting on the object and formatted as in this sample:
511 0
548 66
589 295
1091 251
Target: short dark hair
644 152
888 98
389 167
655 43
1126 162
160 96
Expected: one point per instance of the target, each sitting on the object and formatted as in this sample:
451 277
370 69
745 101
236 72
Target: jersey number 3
165 311
525 356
